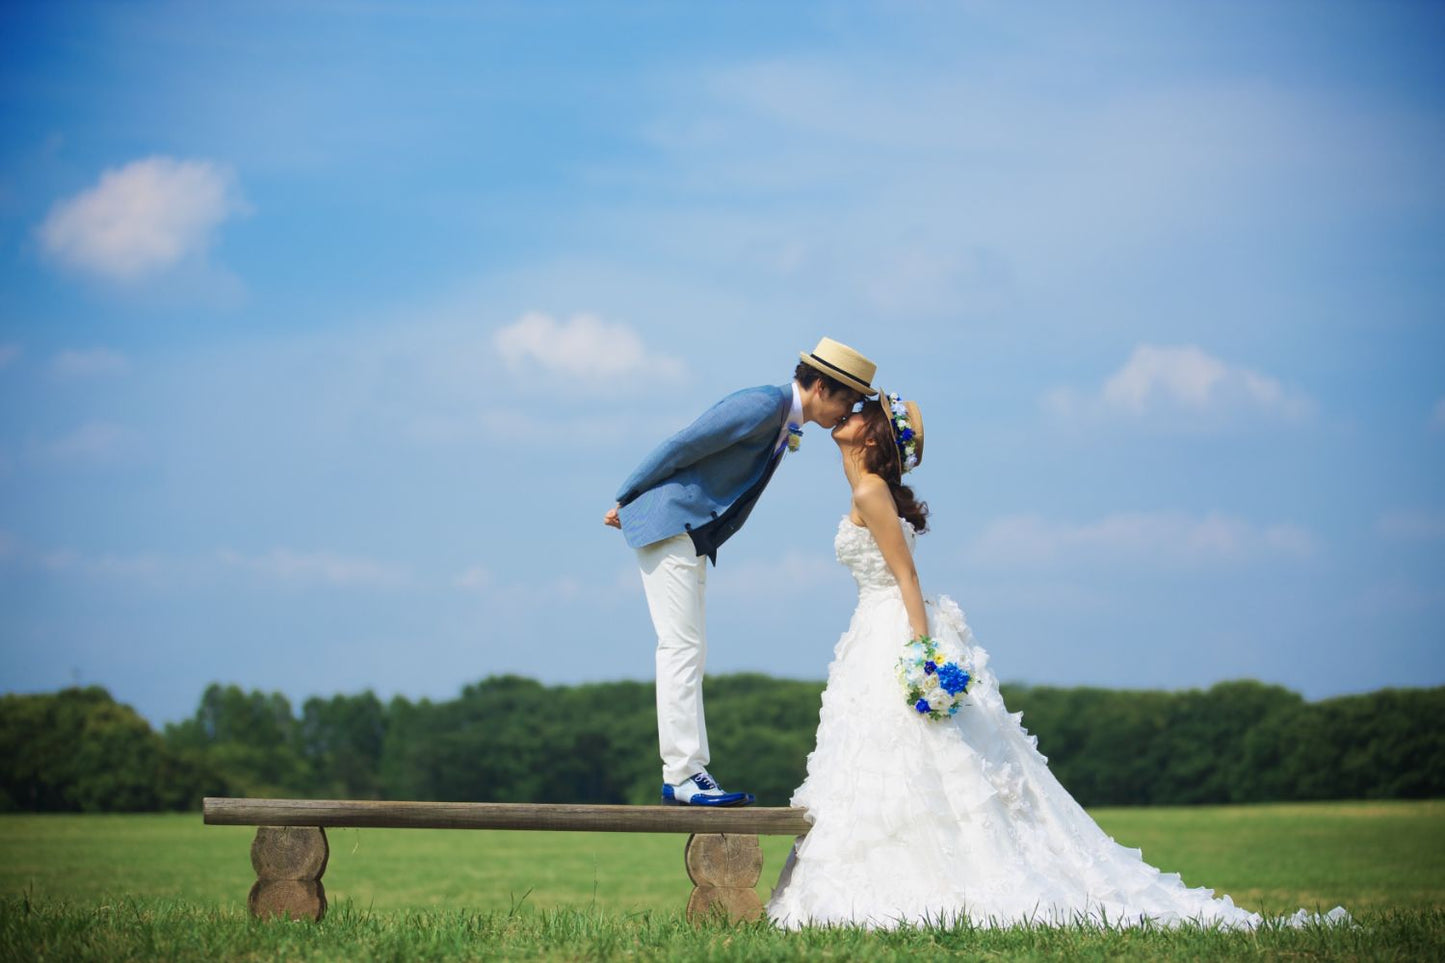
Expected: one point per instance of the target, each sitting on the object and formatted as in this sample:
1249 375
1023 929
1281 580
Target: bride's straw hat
910 448
843 365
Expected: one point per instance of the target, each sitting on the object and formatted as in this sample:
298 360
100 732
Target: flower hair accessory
907 431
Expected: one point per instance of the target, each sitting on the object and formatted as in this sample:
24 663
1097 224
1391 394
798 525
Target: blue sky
327 332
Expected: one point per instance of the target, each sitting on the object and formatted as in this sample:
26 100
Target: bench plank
373 814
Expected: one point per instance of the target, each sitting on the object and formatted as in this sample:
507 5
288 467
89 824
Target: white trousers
674 577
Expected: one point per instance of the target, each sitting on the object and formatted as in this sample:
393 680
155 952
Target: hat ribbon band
829 364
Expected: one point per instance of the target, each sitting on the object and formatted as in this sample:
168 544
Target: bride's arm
875 503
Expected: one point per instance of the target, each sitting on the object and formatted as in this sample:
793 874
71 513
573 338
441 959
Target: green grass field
166 886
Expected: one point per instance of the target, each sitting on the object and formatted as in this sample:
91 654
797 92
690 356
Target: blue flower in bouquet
923 707
930 668
953 679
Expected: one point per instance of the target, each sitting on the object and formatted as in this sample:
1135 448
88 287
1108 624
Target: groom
687 498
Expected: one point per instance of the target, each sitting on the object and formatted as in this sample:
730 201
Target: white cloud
93 441
984 155
141 219
280 565
779 578
1411 526
1139 537
86 364
474 579
592 588
584 350
1180 383
324 567
8 353
144 568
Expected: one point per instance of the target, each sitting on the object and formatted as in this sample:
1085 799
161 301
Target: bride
919 816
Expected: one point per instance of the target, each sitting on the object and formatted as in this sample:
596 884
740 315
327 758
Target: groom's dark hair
805 375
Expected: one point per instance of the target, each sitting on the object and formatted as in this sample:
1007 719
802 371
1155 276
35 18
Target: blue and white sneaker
702 790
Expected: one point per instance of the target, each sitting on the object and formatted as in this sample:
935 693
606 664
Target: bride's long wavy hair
882 458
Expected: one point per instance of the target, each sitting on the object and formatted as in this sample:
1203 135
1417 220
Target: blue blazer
697 473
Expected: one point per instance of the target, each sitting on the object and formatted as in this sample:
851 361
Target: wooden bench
289 853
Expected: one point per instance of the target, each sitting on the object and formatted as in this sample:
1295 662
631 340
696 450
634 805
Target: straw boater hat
843 365
910 419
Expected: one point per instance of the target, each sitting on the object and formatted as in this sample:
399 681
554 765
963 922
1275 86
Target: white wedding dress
920 821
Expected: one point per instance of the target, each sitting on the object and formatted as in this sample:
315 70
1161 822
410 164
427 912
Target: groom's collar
795 417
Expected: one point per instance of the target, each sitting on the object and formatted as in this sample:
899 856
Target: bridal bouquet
934 687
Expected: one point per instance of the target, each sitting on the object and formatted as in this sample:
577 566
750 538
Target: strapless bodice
858 550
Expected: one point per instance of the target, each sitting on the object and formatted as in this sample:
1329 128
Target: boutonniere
795 437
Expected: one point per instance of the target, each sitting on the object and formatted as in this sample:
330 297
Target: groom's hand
611 518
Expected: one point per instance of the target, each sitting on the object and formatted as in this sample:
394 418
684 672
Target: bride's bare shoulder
871 491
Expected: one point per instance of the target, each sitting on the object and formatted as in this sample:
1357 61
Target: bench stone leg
289 862
724 869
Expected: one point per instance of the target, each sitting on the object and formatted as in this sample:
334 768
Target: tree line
513 739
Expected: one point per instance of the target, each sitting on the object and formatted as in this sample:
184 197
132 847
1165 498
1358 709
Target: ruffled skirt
919 821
